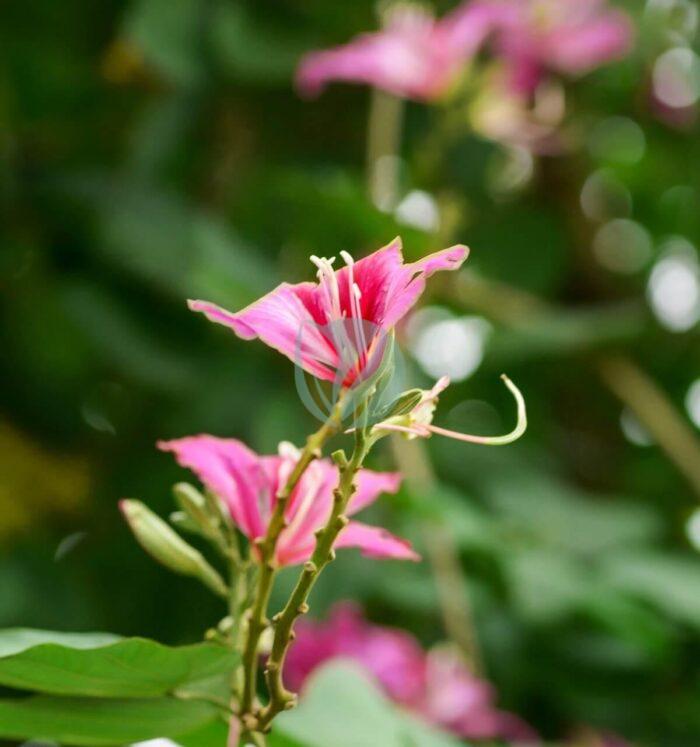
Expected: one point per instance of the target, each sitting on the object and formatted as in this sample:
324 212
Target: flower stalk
264 512
280 698
257 621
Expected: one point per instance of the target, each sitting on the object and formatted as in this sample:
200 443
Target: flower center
346 325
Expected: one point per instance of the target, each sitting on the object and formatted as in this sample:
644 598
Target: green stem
265 549
383 141
280 698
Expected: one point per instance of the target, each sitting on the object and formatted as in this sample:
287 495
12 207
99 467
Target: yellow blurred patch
122 62
35 482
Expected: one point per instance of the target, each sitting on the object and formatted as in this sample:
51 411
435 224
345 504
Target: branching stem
280 698
264 549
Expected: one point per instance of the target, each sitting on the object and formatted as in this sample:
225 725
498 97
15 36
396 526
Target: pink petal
374 59
232 471
408 59
389 287
579 48
408 284
370 485
375 542
280 320
308 510
467 27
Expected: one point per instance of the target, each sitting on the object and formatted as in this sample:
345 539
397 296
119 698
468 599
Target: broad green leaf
546 584
15 640
343 708
129 668
94 721
554 513
213 734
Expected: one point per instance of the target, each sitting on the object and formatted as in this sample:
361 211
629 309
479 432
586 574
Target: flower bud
197 509
167 547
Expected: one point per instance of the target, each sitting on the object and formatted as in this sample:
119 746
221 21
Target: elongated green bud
167 547
180 520
197 509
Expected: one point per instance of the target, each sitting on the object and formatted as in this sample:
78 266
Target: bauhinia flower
571 37
418 421
248 484
414 56
436 685
421 58
336 329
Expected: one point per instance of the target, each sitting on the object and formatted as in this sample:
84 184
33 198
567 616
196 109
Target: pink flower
337 329
436 685
563 36
414 56
248 484
421 58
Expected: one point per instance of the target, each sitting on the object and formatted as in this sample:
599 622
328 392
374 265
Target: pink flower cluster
418 57
436 685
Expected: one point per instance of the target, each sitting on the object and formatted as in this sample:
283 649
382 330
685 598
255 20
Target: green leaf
213 734
557 514
129 668
546 585
15 640
93 721
670 583
343 708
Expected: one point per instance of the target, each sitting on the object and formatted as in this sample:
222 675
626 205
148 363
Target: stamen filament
355 295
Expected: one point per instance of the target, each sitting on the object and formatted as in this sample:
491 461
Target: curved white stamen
515 434
329 285
356 312
356 296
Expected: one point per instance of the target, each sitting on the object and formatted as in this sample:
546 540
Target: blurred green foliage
153 151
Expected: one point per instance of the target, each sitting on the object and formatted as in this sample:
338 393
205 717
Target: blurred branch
383 145
655 411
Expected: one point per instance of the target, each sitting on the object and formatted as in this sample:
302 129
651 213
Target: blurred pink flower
414 56
571 37
418 57
248 485
336 329
436 685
